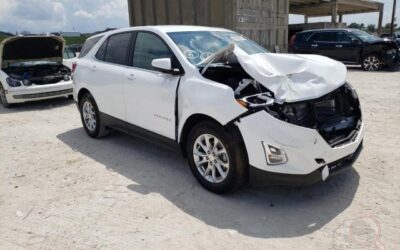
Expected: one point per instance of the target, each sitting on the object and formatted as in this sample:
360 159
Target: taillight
74 64
292 40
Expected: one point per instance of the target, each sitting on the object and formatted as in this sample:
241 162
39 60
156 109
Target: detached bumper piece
45 94
260 178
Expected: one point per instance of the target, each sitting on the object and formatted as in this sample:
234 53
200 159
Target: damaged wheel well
231 128
81 93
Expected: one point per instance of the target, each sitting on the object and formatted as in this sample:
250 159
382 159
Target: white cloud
84 14
106 9
32 15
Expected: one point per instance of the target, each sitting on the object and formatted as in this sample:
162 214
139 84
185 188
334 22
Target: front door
150 94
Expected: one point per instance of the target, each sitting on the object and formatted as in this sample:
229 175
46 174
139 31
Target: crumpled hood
294 78
31 48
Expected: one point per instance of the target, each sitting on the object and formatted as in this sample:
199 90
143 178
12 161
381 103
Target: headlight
274 155
13 82
391 51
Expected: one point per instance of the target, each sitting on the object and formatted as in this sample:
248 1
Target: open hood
31 48
292 78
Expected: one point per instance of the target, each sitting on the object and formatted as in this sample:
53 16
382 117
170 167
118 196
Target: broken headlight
391 51
274 155
256 101
13 82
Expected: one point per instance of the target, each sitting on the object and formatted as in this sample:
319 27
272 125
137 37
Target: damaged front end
297 94
336 116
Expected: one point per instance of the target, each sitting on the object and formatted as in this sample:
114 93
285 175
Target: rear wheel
90 117
371 63
3 98
217 160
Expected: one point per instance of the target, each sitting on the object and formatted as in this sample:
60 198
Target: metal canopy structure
336 8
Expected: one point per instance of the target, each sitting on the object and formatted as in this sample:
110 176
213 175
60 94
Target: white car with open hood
237 112
31 69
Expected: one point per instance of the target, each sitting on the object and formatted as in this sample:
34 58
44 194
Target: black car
350 46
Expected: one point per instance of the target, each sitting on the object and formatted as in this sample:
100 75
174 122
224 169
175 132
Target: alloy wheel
211 158
89 116
371 63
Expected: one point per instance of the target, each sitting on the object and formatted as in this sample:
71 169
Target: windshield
198 45
364 36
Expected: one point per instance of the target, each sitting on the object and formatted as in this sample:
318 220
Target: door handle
314 45
339 46
131 76
94 68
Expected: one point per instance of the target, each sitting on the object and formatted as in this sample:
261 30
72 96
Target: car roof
327 30
163 28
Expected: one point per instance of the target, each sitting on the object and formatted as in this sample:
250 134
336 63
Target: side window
89 44
343 37
117 49
324 37
101 53
68 53
147 48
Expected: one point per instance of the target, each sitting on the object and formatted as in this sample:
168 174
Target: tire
371 63
221 172
90 117
3 98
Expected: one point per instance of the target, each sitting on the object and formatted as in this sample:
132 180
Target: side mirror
355 41
164 65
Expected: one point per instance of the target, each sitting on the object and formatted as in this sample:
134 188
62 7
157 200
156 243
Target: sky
39 16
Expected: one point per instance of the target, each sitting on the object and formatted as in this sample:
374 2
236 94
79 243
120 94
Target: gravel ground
59 189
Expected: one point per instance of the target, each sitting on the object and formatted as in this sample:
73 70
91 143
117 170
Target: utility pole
393 17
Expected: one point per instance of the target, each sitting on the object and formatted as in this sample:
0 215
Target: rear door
150 95
109 74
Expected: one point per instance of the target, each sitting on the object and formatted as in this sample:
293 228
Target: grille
46 94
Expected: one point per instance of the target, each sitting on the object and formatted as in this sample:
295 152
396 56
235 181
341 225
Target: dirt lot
60 189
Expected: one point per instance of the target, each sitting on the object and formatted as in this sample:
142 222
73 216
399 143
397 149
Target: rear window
89 44
302 37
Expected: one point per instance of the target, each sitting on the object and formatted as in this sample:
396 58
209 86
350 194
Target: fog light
274 155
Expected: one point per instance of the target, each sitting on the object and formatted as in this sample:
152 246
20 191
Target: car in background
350 46
31 69
69 57
236 110
76 48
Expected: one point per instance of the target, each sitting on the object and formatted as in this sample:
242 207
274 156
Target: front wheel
217 160
371 63
90 117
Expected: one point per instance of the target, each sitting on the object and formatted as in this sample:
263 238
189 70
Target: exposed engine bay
39 74
337 115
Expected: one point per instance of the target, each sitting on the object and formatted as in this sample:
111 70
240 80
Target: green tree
371 28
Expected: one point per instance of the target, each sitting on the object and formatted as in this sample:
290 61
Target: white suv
237 111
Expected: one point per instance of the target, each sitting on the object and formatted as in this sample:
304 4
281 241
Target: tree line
372 28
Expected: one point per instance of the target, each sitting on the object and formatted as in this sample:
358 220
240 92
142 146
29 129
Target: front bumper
308 153
260 178
392 60
39 92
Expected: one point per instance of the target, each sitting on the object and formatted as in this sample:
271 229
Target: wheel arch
81 93
195 119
